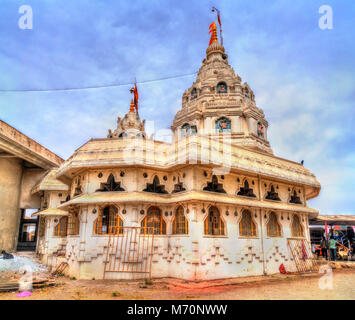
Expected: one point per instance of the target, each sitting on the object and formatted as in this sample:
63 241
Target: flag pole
219 22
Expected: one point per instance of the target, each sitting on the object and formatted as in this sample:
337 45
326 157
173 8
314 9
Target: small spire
131 109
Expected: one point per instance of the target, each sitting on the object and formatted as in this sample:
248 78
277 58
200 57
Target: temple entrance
27 236
129 251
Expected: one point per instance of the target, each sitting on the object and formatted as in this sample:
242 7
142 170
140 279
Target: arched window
194 94
108 221
272 195
296 228
110 185
260 130
153 222
73 223
247 227
223 125
185 130
214 224
214 186
155 187
273 226
246 191
222 88
295 198
61 228
180 223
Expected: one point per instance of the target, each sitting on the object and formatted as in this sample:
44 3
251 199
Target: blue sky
302 76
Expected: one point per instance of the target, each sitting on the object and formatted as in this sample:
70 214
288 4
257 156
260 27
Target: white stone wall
195 256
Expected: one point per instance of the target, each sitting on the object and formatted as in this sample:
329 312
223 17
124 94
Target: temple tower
219 105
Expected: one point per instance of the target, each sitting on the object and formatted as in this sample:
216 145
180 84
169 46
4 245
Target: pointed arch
153 222
214 224
180 223
61 229
247 227
108 221
214 186
110 185
273 226
73 222
294 198
246 191
296 227
272 195
155 187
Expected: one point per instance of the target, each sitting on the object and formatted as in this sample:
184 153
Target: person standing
332 247
323 245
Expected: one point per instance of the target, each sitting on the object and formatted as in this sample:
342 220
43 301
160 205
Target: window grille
296 229
214 224
153 222
73 223
108 222
247 227
61 228
273 227
180 223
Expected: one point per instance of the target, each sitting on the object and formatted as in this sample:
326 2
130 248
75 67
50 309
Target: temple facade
214 203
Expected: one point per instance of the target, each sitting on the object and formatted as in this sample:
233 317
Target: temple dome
129 126
215 47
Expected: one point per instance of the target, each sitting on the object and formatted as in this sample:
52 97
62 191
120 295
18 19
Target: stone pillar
10 192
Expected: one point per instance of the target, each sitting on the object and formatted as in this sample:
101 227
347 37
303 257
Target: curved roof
50 212
50 182
101 153
147 197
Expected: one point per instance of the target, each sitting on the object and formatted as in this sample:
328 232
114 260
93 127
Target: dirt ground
283 287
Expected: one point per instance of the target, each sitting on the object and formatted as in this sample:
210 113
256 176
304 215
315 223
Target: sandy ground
282 287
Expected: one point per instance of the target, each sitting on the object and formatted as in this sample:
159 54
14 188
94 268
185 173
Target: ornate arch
214 223
155 186
108 221
110 185
153 222
245 189
180 223
297 229
247 225
294 197
272 194
61 229
273 225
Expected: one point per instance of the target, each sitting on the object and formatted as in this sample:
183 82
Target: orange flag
135 96
213 30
